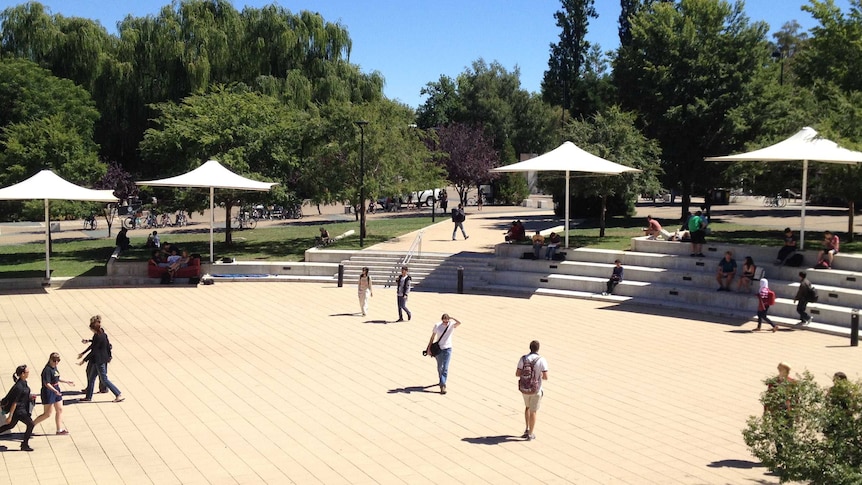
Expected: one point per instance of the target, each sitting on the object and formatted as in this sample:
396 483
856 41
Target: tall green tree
613 135
45 122
688 68
561 83
251 134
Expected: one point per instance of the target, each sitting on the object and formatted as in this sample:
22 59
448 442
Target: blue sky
413 42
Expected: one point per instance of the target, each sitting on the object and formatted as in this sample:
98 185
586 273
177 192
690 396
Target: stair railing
415 249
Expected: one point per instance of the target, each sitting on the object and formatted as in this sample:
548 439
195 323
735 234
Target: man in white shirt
442 332
532 370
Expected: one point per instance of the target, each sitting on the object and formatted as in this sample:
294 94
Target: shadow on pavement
493 440
412 389
746 464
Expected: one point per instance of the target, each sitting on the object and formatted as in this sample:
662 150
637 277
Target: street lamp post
361 124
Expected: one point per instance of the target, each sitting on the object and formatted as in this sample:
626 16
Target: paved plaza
286 383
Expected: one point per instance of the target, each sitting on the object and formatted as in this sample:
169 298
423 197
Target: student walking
402 285
365 290
18 399
765 299
804 295
532 370
100 355
441 336
458 217
52 396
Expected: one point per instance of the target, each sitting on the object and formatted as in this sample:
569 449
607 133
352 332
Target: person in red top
765 298
830 248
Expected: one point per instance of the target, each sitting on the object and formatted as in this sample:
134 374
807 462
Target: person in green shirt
698 236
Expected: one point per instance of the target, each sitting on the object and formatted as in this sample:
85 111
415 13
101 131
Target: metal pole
460 279
854 328
362 234
340 275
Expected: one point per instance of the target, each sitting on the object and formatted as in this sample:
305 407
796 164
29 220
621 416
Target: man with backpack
532 370
804 295
458 217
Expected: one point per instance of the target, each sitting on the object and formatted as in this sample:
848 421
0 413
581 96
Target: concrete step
746 317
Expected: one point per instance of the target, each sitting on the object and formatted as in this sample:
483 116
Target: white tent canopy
806 145
567 158
211 175
47 185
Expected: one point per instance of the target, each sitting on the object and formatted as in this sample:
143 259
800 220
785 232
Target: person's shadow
411 389
493 440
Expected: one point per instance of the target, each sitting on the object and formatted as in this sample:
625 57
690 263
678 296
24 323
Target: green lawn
288 243
278 243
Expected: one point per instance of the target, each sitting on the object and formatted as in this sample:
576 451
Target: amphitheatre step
746 317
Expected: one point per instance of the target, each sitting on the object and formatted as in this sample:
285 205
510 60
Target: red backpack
531 380
770 298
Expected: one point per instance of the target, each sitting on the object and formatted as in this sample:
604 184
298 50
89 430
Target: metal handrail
415 247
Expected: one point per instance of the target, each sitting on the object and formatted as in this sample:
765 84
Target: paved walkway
286 383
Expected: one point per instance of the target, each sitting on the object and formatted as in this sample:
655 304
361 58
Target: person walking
616 278
804 295
458 217
765 299
52 396
480 199
441 334
444 201
532 370
100 355
365 290
402 285
18 398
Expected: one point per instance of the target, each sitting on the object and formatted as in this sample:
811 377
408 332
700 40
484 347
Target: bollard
340 275
460 279
854 328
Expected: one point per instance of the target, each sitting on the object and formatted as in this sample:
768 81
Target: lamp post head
360 123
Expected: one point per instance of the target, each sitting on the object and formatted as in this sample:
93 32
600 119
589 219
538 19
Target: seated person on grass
726 271
323 239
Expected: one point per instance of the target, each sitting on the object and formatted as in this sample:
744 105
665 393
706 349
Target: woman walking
765 299
52 396
19 406
366 291
100 355
442 332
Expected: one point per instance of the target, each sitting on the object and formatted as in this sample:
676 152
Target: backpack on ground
794 260
770 298
531 379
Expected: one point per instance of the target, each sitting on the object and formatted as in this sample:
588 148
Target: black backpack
794 260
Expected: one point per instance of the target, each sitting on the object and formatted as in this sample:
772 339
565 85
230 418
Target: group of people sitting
554 241
516 232
170 256
727 272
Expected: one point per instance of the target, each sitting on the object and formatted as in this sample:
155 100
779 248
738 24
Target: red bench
193 270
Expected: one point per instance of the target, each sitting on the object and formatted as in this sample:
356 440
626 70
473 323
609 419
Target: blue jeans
551 251
100 370
443 364
402 307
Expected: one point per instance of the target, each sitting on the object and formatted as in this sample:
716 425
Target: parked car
424 197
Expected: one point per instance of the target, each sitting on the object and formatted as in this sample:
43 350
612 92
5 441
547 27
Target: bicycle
294 212
181 219
774 201
244 221
133 222
90 223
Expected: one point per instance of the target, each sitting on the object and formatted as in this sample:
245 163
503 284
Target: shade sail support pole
212 222
47 243
568 197
804 198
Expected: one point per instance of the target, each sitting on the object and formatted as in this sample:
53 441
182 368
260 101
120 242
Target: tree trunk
850 224
686 200
602 217
228 234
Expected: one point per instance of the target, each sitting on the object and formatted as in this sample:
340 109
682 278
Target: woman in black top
19 409
100 355
52 396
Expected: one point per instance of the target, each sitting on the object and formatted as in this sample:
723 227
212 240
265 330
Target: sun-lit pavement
285 383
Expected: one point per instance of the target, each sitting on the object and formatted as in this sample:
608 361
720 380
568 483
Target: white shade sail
806 145
567 158
211 175
47 185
